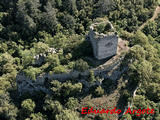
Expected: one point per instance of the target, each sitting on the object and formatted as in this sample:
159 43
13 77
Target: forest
56 32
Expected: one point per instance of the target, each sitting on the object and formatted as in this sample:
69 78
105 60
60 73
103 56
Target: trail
155 15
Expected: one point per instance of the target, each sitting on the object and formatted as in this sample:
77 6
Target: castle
103 39
104 43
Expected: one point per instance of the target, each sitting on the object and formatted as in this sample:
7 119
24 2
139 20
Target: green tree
140 39
58 3
67 115
67 21
153 92
7 63
70 6
53 61
102 7
126 117
8 72
140 72
41 47
32 72
52 106
91 76
36 116
143 14
28 106
72 103
56 87
27 57
151 29
81 65
99 91
136 53
59 41
8 111
69 89
48 19
45 37
59 69
27 16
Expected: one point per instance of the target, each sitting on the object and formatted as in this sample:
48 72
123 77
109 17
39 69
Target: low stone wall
26 84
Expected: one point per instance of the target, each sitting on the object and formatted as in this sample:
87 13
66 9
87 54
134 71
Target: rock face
104 45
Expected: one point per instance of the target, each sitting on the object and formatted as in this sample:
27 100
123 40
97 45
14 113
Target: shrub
91 76
67 115
60 69
32 72
53 61
69 89
126 94
54 106
99 91
37 116
72 103
81 65
28 105
126 35
126 117
103 28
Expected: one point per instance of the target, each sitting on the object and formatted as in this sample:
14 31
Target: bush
67 115
126 117
72 103
60 69
41 47
140 38
28 105
32 72
37 116
103 28
126 94
81 65
99 91
91 76
69 89
52 106
53 61
126 35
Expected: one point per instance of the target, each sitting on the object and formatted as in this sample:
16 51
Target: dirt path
156 12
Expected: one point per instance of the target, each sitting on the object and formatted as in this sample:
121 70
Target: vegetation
99 91
103 28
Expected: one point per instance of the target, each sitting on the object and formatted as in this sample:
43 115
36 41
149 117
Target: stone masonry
104 45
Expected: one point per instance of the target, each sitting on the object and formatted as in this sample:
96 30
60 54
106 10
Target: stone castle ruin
103 39
105 44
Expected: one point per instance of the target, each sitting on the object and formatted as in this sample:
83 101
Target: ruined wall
26 84
107 47
103 45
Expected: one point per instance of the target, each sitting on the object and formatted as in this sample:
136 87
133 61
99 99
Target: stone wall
104 45
26 84
107 46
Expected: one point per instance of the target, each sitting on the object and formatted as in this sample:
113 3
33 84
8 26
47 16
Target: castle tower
103 39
